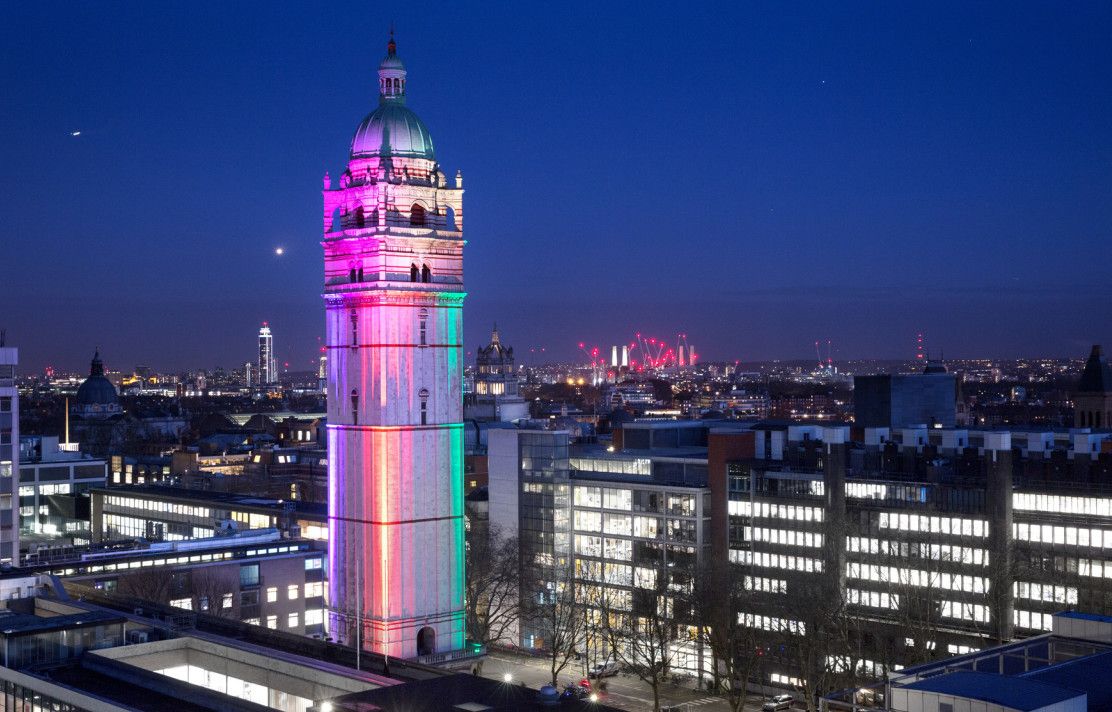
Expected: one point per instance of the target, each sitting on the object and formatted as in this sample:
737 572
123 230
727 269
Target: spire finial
391 46
494 334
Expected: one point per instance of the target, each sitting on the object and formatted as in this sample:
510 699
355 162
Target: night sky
757 175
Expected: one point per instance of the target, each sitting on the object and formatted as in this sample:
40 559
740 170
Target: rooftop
1016 693
193 495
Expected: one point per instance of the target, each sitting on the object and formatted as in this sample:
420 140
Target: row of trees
740 629
646 632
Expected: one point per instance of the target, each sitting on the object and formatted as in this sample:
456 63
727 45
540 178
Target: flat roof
1088 673
193 495
24 623
1015 692
1084 616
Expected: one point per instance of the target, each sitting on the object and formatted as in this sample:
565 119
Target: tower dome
392 129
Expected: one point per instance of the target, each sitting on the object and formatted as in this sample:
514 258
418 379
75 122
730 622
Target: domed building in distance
96 398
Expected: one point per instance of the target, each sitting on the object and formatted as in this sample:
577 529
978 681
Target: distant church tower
496 394
1092 404
393 293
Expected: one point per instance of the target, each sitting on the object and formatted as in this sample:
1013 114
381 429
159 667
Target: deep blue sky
758 175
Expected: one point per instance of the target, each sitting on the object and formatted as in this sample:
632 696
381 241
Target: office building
945 540
54 482
393 256
901 400
258 577
621 527
268 366
9 455
934 541
157 514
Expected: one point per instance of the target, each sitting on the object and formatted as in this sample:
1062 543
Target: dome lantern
391 75
392 130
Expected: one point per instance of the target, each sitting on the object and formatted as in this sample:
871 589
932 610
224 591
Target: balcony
470 652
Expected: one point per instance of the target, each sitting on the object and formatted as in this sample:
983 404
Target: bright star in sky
279 251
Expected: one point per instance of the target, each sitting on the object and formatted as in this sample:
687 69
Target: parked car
575 692
606 669
777 703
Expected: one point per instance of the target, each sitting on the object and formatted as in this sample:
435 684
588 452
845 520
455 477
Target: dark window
360 220
360 274
417 215
426 273
426 642
5 404
354 406
354 329
249 575
413 273
424 396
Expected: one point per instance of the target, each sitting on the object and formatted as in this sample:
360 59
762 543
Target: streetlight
325 707
508 677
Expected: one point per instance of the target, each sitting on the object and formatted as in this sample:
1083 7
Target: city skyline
858 174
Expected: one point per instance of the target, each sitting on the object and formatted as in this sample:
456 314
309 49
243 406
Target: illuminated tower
268 368
393 292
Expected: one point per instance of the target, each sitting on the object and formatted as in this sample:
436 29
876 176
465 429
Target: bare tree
211 589
813 628
148 584
493 588
644 639
554 612
720 595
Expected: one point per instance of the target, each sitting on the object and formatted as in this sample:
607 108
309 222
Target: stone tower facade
393 293
1092 403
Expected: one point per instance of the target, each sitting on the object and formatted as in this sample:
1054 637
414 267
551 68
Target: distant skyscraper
393 259
248 374
9 455
322 372
268 367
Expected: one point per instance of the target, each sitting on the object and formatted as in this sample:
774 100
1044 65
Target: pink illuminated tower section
393 292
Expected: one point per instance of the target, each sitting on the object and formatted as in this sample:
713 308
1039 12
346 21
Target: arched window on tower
413 273
422 327
355 406
426 273
417 215
360 220
424 396
359 274
354 329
